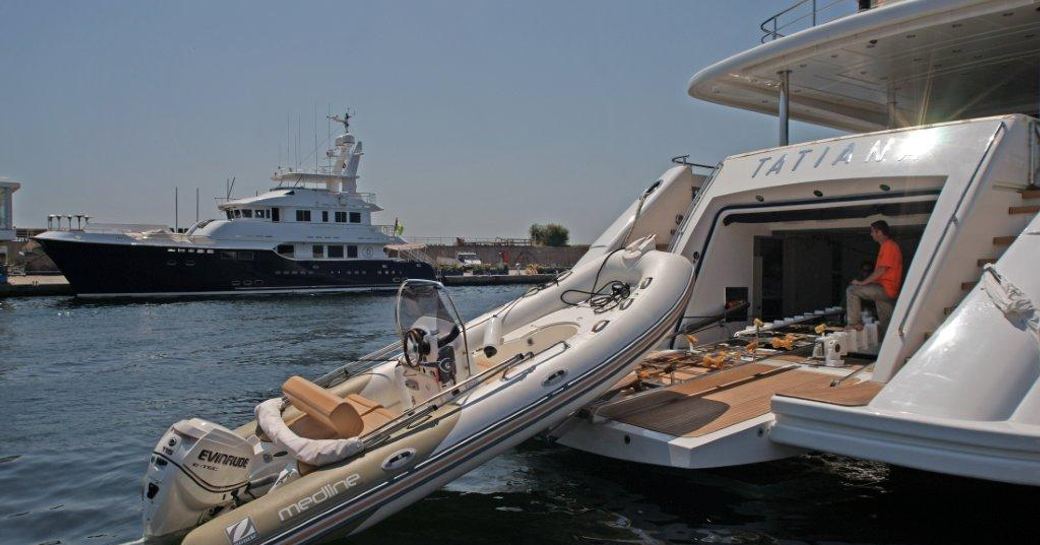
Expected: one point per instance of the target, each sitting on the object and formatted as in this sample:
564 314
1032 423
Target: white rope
1011 301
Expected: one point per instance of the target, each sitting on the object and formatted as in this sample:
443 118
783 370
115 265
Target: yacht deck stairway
968 401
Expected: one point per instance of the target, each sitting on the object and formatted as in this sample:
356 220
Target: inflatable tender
337 455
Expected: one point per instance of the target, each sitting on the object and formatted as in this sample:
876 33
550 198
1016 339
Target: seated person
882 285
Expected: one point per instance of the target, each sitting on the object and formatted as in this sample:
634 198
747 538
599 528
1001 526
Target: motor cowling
195 471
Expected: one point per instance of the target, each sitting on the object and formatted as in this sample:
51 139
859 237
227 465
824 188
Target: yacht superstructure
313 232
761 367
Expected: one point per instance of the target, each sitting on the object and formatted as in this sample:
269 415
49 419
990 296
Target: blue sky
479 118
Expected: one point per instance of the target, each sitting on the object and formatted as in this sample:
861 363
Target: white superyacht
941 98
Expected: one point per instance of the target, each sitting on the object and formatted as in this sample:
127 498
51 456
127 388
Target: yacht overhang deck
930 60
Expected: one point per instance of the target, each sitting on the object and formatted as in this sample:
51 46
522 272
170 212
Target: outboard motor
196 470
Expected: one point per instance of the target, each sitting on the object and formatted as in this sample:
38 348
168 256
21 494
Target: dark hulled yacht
312 233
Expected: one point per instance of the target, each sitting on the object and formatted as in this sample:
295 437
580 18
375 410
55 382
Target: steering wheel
415 346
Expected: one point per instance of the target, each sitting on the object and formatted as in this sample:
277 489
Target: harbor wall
489 254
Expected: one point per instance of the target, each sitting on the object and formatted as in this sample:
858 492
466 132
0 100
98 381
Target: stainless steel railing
807 14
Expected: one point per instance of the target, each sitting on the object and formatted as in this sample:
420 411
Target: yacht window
319 250
227 256
245 256
275 215
341 217
303 215
351 251
228 212
324 215
335 251
288 250
238 213
355 217
247 213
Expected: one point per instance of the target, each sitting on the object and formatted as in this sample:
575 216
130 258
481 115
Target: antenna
196 205
345 120
315 136
176 219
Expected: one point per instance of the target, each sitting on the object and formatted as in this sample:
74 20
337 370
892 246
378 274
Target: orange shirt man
882 286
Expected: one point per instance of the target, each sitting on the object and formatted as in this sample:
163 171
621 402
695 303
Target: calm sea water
87 388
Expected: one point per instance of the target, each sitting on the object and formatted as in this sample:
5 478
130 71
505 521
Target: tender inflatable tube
316 452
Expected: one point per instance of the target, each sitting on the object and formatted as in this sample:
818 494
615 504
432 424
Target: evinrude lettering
207 455
325 492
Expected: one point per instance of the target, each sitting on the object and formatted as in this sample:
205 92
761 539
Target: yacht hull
96 269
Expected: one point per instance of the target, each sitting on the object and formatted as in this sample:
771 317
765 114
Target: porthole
818 193
759 198
626 303
171 262
885 187
646 282
189 263
600 326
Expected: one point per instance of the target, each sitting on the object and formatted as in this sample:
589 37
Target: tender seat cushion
328 416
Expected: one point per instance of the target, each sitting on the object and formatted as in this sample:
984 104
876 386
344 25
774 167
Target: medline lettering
325 492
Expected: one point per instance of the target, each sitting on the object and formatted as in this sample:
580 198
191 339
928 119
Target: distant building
7 190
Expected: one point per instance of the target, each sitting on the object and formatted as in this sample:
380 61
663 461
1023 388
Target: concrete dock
22 286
